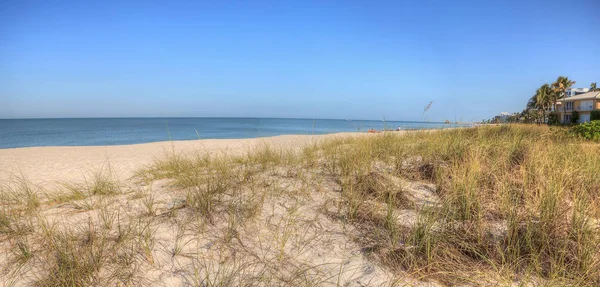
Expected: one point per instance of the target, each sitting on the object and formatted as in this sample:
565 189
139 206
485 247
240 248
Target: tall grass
520 199
517 197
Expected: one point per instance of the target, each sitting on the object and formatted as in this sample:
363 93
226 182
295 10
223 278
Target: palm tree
531 109
593 87
544 99
559 87
541 102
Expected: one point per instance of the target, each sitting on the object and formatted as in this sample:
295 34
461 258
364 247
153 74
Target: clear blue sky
310 59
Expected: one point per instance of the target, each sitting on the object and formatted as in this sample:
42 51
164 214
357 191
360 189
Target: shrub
595 115
589 130
553 119
574 117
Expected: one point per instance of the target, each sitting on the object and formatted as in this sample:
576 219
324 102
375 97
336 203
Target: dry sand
50 165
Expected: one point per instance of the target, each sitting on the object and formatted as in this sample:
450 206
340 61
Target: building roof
578 89
586 96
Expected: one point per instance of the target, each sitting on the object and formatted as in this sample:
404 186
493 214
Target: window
569 106
587 105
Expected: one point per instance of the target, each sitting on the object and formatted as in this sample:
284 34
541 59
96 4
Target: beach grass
496 205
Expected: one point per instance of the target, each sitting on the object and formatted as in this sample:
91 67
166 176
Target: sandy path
50 165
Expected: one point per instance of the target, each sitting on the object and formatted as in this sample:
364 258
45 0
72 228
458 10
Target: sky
292 59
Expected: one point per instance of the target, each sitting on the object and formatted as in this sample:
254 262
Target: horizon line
196 117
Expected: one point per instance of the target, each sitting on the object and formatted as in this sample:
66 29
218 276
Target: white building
502 117
576 91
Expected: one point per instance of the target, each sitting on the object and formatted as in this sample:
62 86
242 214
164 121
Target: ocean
16 133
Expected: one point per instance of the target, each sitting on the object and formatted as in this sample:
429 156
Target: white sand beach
50 165
330 255
291 207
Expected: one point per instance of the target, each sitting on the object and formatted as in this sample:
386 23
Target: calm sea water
117 131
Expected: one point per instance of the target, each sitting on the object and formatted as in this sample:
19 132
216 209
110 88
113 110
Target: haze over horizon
300 59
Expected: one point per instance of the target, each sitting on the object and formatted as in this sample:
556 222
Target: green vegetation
559 87
553 118
589 130
489 206
542 102
595 115
574 117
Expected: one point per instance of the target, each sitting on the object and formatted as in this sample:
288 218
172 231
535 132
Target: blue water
117 131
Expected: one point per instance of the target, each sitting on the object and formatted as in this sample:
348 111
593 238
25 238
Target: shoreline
241 138
184 141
